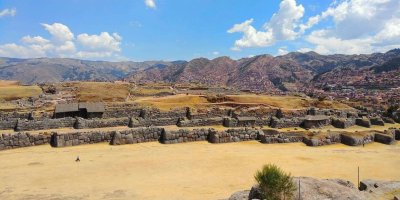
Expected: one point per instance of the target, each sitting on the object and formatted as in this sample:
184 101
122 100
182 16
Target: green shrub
274 183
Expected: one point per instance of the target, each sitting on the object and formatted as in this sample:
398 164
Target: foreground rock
316 189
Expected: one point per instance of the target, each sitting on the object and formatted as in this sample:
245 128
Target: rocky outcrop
317 189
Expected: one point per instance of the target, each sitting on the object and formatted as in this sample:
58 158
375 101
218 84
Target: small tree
274 183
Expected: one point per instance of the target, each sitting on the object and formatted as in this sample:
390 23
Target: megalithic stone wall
139 135
331 137
183 135
233 135
27 125
18 140
100 123
79 138
271 136
200 122
356 140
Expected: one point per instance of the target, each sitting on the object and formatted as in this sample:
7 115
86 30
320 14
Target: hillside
267 73
41 70
290 72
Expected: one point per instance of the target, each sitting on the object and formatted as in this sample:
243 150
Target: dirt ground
197 170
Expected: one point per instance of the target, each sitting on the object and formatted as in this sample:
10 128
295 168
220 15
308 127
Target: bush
274 183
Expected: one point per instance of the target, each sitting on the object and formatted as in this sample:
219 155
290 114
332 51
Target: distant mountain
289 72
268 73
41 70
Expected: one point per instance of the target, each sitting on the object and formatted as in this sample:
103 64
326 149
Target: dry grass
145 91
13 92
8 83
192 171
284 102
176 101
101 91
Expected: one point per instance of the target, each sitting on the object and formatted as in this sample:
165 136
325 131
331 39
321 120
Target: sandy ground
197 170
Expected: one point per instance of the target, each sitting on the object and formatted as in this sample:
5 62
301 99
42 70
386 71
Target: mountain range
259 73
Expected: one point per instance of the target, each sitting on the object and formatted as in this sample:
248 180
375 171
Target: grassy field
196 101
8 83
13 92
197 170
146 91
176 101
101 91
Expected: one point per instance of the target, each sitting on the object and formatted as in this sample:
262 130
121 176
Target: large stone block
384 138
363 122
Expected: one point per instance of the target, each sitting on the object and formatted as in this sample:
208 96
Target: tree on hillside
274 183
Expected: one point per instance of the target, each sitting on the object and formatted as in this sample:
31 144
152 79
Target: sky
140 30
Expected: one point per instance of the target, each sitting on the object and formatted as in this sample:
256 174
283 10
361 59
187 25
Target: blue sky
185 29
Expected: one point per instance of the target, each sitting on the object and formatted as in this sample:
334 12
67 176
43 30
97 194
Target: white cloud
59 32
360 26
35 40
8 12
215 53
150 4
64 44
282 51
282 26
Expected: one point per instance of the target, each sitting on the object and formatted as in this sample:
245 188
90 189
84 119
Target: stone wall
377 121
139 135
384 138
343 122
27 125
8 124
286 122
357 139
316 122
233 135
323 139
121 112
18 140
79 138
208 113
269 136
152 113
140 122
100 123
363 122
182 135
200 122
14 115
